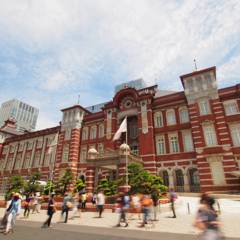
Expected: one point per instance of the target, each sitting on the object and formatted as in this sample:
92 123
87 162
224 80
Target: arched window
171 118
165 178
179 180
183 113
158 119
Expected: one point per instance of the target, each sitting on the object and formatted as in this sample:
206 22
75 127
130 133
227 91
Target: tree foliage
79 185
17 184
64 182
108 187
142 181
49 187
32 185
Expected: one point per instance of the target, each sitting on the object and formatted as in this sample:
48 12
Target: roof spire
78 102
195 64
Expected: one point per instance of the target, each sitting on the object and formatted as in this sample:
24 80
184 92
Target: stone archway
194 180
179 180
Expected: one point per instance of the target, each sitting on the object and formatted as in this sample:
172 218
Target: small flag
122 128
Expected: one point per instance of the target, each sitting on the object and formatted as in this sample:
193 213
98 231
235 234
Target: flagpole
126 154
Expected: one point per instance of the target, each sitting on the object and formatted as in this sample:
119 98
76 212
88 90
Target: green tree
108 187
64 181
49 187
32 185
79 185
17 184
142 181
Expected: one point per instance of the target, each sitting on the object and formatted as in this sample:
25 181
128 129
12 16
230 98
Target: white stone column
186 182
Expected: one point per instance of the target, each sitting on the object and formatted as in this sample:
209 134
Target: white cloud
76 40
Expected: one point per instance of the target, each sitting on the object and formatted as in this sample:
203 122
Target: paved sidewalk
230 218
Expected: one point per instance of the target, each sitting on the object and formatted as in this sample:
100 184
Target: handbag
69 204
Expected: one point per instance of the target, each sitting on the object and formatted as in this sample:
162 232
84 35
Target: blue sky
52 51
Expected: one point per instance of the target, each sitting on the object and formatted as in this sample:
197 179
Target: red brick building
190 138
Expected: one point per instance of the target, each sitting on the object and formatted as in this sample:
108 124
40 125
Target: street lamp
125 150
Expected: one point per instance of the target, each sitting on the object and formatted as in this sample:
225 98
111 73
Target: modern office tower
24 114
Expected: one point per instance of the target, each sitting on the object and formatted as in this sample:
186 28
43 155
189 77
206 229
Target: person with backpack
146 203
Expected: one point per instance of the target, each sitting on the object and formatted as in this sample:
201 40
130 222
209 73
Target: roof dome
124 147
92 151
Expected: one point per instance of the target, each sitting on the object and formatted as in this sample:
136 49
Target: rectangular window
83 155
231 108
27 160
171 119
160 145
67 134
217 170
174 146
235 134
210 135
65 153
158 119
37 158
93 132
100 149
204 107
85 133
187 141
184 116
101 131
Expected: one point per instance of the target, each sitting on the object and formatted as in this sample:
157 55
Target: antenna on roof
195 64
78 102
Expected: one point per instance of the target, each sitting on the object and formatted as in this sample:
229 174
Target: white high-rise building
24 114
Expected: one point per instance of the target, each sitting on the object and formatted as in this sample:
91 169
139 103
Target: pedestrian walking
76 206
35 203
66 206
155 199
94 197
207 219
51 209
100 201
136 205
84 199
12 212
147 204
26 204
123 206
173 198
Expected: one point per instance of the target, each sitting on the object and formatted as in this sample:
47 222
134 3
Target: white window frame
100 148
171 114
160 145
83 154
85 133
231 107
210 134
235 134
158 119
65 153
174 145
183 115
204 107
101 130
93 132
187 141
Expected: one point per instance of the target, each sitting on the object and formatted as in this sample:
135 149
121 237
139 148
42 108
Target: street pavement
32 231
91 226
